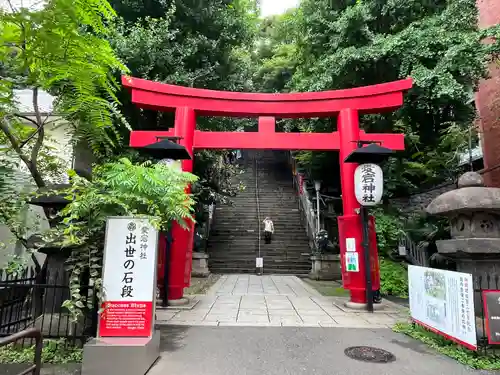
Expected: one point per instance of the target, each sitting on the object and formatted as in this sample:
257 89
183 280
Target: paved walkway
237 285
293 351
274 301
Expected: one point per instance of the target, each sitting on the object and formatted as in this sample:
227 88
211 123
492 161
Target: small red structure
347 105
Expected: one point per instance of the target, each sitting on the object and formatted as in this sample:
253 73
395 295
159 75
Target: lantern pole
366 254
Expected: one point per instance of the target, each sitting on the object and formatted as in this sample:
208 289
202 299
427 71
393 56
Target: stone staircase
234 240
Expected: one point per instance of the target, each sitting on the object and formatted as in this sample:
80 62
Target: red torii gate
346 104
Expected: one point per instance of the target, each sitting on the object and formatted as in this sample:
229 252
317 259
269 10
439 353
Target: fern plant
117 189
61 48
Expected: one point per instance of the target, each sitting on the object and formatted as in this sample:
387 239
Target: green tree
275 55
346 44
60 48
189 43
193 44
119 188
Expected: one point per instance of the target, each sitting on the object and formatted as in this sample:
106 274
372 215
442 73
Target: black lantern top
166 149
50 198
373 153
54 196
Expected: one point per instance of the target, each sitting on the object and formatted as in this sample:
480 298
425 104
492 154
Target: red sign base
125 319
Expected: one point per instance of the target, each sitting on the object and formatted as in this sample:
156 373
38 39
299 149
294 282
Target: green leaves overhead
119 188
62 49
345 44
195 44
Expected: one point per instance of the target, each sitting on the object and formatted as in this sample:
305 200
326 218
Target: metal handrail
256 171
307 215
33 333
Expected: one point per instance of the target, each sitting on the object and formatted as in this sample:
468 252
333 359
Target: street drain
369 354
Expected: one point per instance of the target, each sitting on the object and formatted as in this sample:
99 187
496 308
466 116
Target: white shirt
268 226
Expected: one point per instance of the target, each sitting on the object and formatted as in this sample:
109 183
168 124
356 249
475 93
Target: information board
443 301
129 278
491 299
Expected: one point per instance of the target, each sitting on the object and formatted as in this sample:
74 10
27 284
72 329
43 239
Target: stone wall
418 202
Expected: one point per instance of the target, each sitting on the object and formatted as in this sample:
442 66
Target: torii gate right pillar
350 225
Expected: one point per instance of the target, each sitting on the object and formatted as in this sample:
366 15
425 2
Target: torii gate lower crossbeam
346 104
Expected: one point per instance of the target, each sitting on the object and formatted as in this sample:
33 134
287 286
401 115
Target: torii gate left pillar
346 104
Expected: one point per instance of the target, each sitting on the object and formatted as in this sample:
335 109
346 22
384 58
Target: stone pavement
293 351
274 301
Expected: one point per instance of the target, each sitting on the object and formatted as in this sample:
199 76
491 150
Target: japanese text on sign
129 277
368 181
368 184
444 301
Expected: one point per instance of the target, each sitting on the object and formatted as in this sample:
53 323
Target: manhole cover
369 354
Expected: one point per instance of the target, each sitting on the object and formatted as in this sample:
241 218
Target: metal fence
415 254
34 300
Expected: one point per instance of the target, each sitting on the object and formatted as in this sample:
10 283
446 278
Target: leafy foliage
350 44
189 43
473 359
216 183
62 49
53 352
194 44
117 189
389 229
393 278
276 52
421 227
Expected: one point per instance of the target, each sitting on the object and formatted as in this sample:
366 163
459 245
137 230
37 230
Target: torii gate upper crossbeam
369 99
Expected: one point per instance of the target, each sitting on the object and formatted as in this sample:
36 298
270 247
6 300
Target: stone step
251 228
277 256
234 241
250 244
269 270
276 243
255 228
288 262
250 263
265 271
283 237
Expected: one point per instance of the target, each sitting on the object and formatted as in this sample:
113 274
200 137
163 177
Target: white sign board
444 302
129 277
368 184
350 244
259 262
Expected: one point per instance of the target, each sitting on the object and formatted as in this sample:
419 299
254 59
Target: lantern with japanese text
368 184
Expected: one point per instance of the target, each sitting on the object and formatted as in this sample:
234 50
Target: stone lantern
474 214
